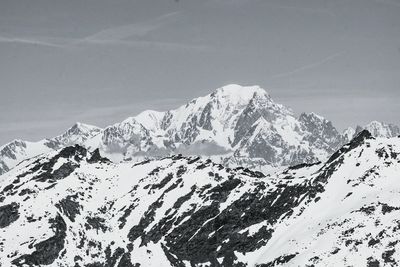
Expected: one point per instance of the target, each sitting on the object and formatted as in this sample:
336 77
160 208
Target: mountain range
235 125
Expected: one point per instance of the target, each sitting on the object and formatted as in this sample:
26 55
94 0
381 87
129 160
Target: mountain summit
234 125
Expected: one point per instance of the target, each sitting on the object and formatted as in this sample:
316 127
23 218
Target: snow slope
73 207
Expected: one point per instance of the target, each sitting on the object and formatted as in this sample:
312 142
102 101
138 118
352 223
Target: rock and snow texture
235 125
379 129
355 220
241 124
73 207
16 151
376 128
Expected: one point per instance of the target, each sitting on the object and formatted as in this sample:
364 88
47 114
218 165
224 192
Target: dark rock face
302 165
96 157
48 174
97 223
126 261
48 250
208 233
8 214
148 217
278 261
205 118
69 206
3 168
355 142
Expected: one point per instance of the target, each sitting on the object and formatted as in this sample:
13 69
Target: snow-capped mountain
16 151
73 207
376 128
349 133
234 125
79 133
237 123
379 129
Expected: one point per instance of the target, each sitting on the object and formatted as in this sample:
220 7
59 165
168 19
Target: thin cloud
148 44
307 66
130 30
29 41
70 43
120 36
113 36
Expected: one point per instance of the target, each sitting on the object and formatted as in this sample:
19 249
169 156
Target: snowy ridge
360 228
77 134
379 129
221 125
16 151
376 128
234 125
74 207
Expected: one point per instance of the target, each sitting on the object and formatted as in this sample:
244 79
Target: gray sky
99 61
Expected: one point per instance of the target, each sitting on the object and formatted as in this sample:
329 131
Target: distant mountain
16 151
234 125
73 207
379 129
376 128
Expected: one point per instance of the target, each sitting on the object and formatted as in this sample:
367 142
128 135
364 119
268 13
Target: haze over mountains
235 125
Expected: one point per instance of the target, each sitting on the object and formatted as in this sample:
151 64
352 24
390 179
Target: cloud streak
307 66
130 30
29 41
123 35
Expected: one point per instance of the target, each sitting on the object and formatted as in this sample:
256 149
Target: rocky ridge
73 207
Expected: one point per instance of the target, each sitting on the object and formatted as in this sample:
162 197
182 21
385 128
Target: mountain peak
129 120
76 134
83 127
15 142
150 119
239 92
380 129
79 129
311 116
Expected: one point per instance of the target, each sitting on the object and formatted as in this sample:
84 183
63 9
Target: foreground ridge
74 207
